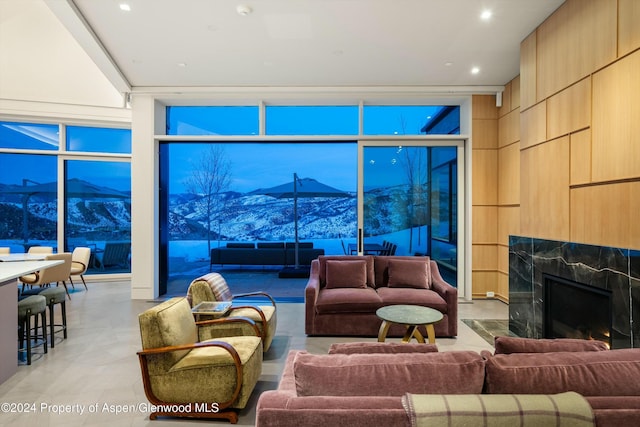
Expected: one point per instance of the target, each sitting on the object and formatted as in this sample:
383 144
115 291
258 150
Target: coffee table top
409 314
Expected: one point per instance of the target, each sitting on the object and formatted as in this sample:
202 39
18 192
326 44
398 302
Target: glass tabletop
409 314
212 308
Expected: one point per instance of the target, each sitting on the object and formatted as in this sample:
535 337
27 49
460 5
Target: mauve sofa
344 292
365 384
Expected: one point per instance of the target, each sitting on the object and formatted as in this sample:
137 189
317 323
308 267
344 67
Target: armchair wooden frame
221 413
263 334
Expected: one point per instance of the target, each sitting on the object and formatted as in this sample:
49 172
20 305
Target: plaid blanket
498 410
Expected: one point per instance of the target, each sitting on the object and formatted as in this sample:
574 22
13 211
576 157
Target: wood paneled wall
565 142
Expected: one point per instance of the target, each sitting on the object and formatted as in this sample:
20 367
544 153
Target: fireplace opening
576 310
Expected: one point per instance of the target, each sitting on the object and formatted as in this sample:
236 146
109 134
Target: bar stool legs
33 305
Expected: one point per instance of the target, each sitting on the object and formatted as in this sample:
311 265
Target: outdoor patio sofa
264 253
525 382
344 292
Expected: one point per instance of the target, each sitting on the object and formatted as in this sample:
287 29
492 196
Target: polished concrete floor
97 369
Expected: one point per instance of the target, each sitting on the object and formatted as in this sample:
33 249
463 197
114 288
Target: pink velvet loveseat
370 384
344 292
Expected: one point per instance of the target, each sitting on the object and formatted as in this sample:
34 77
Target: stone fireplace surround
614 269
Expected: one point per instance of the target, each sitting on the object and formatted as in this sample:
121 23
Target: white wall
40 61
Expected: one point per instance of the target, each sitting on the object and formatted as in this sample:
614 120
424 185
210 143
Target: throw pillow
346 274
405 273
508 345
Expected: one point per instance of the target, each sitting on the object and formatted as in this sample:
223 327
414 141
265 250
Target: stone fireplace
537 266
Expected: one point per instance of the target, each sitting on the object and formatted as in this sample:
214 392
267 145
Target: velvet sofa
344 292
264 253
364 384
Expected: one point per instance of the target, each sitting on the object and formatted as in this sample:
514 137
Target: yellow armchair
186 377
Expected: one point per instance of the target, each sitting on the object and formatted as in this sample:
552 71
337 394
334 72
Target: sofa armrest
311 292
449 294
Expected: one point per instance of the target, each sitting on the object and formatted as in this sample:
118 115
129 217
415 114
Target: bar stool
27 307
56 295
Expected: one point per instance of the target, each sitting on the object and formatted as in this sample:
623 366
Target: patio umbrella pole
295 217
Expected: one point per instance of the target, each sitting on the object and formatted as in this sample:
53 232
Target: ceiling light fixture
486 15
125 7
475 70
243 10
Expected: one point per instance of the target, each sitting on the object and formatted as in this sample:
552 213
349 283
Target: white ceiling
307 43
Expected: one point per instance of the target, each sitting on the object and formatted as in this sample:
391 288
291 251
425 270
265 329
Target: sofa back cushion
322 266
409 273
241 245
381 347
454 372
270 245
508 345
381 267
590 373
346 274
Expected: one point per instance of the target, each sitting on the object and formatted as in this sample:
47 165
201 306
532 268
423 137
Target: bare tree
413 160
210 176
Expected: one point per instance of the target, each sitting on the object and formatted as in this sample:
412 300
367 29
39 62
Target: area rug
488 329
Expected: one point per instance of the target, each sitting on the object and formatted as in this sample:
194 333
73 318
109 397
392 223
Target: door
409 199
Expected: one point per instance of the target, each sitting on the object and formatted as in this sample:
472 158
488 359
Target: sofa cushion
381 347
270 245
348 300
423 297
240 245
322 266
381 267
453 372
508 345
590 373
405 273
346 274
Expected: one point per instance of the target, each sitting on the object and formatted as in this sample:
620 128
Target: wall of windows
70 181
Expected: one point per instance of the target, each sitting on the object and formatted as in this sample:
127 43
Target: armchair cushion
346 274
404 273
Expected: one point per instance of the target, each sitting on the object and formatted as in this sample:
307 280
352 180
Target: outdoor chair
179 368
115 254
213 287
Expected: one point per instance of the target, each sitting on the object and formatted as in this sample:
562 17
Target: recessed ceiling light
182 64
244 10
125 7
486 15
448 64
475 70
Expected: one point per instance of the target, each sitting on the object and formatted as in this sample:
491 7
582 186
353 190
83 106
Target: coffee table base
412 331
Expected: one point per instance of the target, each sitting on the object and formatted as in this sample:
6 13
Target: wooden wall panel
484 107
616 120
485 257
508 223
506 101
515 92
533 125
483 282
485 133
581 157
628 26
569 110
503 259
576 40
509 175
485 225
544 194
604 214
485 177
502 293
528 75
509 128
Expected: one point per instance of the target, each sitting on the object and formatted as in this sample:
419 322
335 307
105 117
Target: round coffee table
411 316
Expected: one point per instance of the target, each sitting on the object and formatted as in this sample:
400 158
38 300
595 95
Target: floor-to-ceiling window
231 191
89 167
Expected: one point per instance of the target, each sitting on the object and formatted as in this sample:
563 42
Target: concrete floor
97 365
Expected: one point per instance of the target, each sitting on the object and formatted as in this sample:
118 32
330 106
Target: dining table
9 274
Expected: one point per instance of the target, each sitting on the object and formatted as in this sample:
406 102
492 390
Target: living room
555 161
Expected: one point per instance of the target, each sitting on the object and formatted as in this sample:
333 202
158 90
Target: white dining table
22 257
9 273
